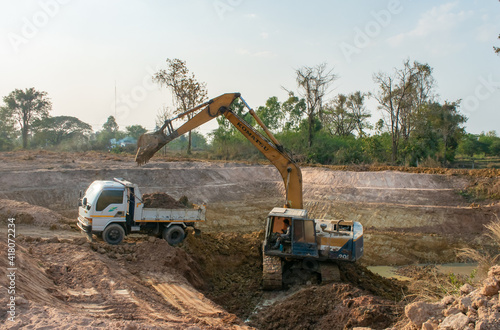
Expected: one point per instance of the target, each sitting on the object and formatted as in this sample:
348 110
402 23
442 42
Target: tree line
415 128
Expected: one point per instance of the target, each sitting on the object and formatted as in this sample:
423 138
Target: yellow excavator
295 248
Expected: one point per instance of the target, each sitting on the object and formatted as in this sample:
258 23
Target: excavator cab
302 239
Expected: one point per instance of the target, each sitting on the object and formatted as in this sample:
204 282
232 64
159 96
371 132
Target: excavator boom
149 144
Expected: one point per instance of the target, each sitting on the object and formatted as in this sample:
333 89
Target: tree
469 145
7 131
271 114
440 127
110 126
346 114
110 130
400 95
337 118
293 109
135 131
26 106
187 92
313 84
448 121
356 104
53 130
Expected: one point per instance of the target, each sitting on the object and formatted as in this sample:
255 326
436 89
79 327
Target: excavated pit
409 218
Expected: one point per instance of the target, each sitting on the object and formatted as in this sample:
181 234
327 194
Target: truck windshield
92 193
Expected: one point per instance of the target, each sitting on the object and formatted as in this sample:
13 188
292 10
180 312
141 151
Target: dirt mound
157 256
231 264
337 306
25 213
365 279
134 285
163 201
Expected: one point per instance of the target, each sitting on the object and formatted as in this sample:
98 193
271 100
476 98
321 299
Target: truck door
109 207
130 207
304 238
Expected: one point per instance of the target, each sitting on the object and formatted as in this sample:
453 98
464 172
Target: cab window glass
303 231
109 197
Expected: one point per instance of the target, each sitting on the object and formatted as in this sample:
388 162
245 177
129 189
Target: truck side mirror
84 201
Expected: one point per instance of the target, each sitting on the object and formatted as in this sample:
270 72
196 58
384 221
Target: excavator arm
149 144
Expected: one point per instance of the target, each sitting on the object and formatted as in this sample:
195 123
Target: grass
484 259
478 161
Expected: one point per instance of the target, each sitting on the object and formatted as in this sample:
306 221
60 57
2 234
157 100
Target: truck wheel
173 235
113 234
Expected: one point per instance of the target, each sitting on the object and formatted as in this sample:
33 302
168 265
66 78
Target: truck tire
173 235
113 234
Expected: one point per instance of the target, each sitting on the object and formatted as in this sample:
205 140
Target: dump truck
114 209
311 247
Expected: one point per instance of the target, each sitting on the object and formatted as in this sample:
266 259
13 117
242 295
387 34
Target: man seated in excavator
281 232
285 235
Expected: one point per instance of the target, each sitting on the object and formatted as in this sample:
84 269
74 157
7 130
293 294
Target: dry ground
213 281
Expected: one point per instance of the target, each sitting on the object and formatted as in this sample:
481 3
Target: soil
161 200
337 306
212 281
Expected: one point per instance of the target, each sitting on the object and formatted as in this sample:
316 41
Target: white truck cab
115 209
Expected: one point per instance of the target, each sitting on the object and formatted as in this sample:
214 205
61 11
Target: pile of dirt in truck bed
163 201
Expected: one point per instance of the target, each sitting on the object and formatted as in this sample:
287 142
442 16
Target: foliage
415 130
187 92
110 130
439 130
346 114
400 95
135 131
8 134
271 114
198 142
293 108
51 131
25 106
110 126
483 258
313 84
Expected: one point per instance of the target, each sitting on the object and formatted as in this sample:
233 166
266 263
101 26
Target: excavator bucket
148 144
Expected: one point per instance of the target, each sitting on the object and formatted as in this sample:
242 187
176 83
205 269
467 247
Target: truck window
303 231
109 197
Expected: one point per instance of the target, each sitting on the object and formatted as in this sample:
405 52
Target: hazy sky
79 50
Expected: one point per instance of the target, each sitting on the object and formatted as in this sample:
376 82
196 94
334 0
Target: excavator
296 249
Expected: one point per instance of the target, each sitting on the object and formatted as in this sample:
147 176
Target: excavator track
271 273
330 272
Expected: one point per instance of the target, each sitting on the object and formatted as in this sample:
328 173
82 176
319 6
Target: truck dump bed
172 215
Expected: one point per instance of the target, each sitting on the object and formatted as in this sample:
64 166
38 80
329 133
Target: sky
96 58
